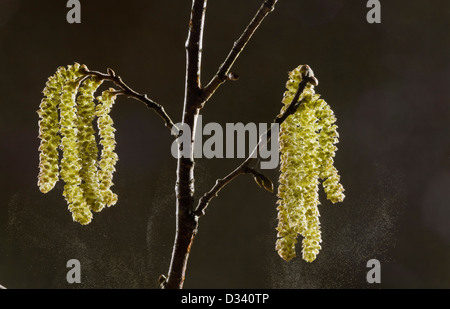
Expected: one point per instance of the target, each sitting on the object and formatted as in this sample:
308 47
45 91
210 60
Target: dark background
387 83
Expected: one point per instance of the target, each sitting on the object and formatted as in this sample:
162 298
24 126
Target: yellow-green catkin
307 147
87 143
71 163
67 114
108 158
49 133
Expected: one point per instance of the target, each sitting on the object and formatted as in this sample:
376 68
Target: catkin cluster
307 147
67 113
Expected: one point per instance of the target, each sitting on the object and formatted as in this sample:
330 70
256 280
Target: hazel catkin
88 145
67 113
108 158
307 141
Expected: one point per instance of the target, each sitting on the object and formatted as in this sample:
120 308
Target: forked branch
195 98
244 168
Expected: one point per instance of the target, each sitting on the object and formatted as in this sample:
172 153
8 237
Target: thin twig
244 168
126 90
222 74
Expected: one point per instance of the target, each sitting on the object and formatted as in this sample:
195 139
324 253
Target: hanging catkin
108 157
67 113
88 145
307 146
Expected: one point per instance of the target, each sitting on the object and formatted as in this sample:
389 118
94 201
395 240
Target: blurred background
387 83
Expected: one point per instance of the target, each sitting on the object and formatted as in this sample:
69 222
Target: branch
244 167
223 74
194 49
126 90
186 222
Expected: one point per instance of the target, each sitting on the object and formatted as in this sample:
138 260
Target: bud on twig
111 72
262 181
233 76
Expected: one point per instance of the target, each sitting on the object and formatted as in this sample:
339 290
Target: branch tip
126 90
222 74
